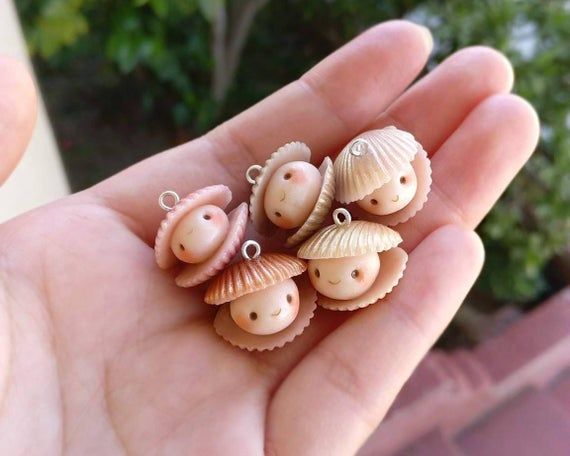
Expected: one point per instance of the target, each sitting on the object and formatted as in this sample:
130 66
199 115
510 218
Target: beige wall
39 178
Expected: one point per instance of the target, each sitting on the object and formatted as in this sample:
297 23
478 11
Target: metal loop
166 194
359 148
246 245
252 168
341 211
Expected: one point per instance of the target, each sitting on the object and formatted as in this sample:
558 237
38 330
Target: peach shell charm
374 158
350 240
293 151
194 274
254 275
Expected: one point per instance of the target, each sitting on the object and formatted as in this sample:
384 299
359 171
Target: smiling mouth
334 283
276 313
397 199
282 197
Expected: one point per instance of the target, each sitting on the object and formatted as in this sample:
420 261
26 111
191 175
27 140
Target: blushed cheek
294 306
362 277
285 220
298 177
243 320
219 219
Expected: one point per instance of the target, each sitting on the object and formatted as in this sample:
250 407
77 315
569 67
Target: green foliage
59 24
161 50
531 222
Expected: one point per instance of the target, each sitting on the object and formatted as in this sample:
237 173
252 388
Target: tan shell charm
373 159
194 274
264 308
347 238
260 177
353 264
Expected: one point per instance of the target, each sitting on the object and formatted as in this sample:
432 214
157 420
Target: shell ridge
390 150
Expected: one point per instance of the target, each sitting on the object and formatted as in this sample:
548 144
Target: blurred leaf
60 23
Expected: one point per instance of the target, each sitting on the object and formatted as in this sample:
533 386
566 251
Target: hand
101 353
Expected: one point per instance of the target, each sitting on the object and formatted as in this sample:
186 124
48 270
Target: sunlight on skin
108 355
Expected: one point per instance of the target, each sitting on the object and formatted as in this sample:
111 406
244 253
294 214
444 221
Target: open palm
100 353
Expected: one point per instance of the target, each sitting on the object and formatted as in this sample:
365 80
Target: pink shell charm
194 274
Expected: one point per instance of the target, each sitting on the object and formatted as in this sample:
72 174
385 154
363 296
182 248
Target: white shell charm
386 173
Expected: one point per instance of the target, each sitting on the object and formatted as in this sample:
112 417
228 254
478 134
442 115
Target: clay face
392 196
199 234
292 193
344 278
267 311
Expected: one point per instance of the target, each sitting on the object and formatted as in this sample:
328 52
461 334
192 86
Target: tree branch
228 48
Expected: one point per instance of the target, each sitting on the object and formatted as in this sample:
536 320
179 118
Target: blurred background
123 80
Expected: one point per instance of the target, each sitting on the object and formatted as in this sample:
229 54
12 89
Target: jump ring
346 217
359 148
166 194
252 168
246 245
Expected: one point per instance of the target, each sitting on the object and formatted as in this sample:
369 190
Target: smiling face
292 193
199 234
344 278
392 196
267 311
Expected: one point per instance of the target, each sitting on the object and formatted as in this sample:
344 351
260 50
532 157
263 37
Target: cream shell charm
290 193
353 264
198 235
386 172
264 308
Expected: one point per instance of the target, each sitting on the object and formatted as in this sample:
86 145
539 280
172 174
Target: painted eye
253 316
317 273
287 176
374 202
403 180
207 216
354 274
289 298
278 214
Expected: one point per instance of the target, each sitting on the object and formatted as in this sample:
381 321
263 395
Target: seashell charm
290 193
198 234
353 264
386 172
264 307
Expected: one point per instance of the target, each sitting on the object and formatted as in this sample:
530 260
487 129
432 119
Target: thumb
17 113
